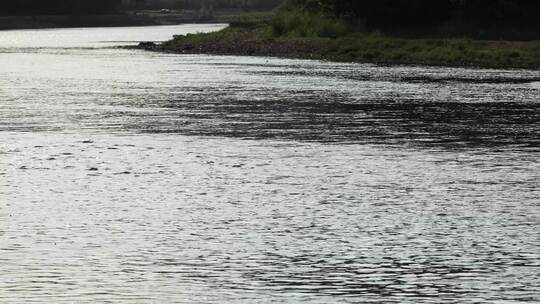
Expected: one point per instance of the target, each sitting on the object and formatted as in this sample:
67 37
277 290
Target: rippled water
136 177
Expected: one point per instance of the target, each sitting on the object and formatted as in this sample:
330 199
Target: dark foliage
29 7
42 7
494 19
199 4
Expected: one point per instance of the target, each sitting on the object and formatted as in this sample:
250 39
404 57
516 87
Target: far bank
257 39
127 18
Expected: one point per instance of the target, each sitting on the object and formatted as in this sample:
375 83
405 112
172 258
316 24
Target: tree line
392 13
485 18
453 16
29 7
215 4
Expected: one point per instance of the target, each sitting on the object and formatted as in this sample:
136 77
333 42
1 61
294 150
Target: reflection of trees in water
334 118
334 275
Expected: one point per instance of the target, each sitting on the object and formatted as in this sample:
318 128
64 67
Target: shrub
302 23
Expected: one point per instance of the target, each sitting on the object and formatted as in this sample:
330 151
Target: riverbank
128 18
257 39
59 21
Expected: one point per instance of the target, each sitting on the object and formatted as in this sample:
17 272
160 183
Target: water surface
135 177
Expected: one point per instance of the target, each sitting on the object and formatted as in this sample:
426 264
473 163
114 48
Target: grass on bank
298 34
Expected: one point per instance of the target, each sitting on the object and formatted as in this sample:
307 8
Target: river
129 176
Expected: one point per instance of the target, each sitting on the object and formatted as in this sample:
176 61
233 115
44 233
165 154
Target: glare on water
131 176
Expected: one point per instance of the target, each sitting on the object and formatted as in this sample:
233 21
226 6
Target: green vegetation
301 23
314 30
378 48
478 19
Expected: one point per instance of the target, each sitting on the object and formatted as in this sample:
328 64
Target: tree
36 7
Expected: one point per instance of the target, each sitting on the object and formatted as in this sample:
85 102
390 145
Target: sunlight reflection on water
129 176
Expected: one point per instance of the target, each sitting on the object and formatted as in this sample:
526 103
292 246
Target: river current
129 176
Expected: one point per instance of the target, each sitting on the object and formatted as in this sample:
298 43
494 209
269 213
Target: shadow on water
336 119
426 77
318 274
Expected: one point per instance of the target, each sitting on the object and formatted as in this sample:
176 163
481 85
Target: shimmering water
136 177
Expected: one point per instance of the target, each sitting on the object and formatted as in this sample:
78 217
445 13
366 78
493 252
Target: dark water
136 177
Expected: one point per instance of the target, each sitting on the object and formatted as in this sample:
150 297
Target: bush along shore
297 32
357 47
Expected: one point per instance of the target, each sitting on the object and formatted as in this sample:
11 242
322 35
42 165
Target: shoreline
121 19
253 40
60 21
